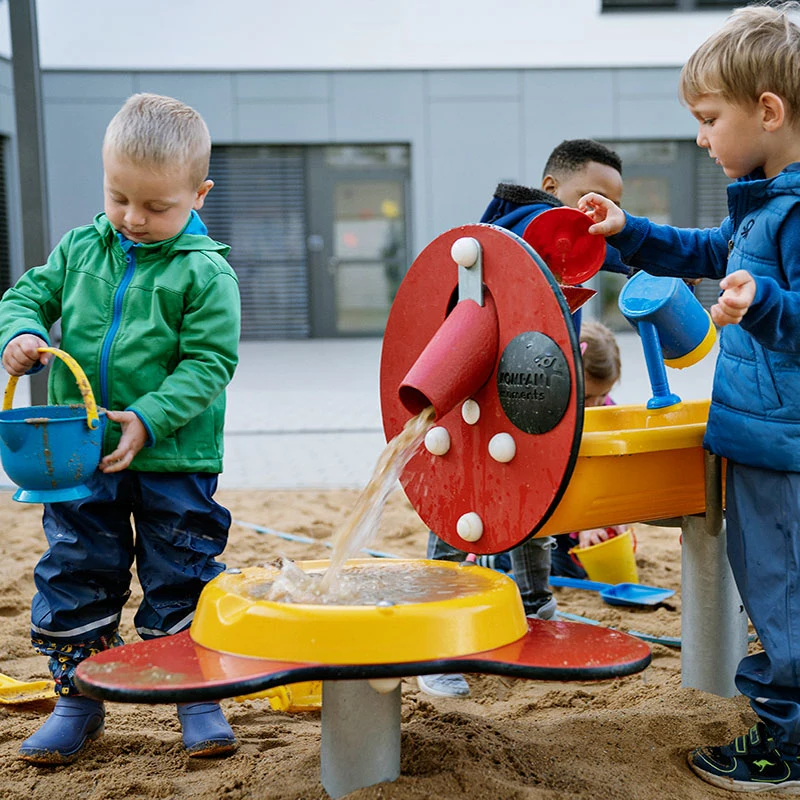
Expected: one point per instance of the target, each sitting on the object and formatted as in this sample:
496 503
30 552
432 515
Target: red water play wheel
504 472
561 237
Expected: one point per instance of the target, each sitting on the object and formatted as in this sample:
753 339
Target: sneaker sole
48 758
435 693
787 787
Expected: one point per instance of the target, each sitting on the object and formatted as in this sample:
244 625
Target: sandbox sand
624 739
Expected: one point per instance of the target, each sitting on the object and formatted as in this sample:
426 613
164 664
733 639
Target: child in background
743 87
602 368
149 307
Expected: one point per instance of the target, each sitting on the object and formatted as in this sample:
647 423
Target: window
258 207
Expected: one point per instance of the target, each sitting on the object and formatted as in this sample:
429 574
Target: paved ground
306 414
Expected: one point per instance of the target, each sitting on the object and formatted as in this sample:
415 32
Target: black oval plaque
533 382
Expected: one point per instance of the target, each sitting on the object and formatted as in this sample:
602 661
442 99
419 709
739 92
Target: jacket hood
511 203
194 236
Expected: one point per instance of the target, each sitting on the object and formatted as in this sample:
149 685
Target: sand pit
624 739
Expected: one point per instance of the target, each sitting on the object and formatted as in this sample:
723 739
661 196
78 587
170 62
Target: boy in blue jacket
743 87
149 307
575 167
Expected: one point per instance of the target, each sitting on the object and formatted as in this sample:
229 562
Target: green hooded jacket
156 330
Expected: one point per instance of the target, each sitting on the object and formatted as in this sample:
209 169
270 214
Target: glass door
357 238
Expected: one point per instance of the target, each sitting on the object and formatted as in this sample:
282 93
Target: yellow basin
635 465
430 610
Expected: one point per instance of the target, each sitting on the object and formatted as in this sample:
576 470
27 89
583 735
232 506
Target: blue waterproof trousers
83 580
763 531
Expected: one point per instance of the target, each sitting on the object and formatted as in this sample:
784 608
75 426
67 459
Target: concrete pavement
306 414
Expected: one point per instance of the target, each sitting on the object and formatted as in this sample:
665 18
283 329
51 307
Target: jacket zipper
116 319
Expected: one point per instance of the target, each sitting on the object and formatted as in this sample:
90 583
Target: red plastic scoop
561 237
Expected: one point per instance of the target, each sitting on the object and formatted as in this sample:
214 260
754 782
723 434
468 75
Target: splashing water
362 523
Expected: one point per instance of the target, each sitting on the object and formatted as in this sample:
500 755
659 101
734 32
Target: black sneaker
750 763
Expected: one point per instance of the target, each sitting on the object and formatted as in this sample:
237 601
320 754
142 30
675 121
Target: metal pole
713 620
360 743
30 148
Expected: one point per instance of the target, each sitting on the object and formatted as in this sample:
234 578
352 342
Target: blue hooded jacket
755 404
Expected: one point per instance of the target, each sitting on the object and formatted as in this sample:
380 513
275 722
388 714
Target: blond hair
160 132
757 50
601 359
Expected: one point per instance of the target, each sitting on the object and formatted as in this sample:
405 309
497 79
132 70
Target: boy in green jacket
149 307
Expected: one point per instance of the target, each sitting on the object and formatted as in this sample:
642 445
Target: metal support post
30 149
713 620
360 743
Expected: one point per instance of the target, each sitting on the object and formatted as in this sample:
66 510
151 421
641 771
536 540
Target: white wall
357 34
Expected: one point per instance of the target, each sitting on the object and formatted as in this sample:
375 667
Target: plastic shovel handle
579 583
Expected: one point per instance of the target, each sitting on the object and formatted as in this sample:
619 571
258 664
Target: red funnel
576 296
561 237
456 362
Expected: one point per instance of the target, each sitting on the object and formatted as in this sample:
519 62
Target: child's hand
21 353
134 436
607 217
594 536
739 291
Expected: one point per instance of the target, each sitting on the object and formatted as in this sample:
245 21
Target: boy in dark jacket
743 87
149 307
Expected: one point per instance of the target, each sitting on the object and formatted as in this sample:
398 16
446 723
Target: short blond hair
601 358
160 132
756 51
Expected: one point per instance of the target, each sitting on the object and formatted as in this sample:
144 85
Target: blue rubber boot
75 722
206 733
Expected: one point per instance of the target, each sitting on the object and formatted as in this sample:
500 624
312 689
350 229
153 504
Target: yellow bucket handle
80 376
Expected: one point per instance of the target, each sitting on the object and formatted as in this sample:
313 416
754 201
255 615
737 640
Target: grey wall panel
383 107
661 81
493 84
73 140
281 85
111 86
282 122
564 104
648 106
656 117
472 145
209 93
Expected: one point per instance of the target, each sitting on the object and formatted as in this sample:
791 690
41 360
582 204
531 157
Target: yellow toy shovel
13 691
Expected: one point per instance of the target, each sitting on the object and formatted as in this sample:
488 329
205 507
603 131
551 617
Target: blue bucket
50 451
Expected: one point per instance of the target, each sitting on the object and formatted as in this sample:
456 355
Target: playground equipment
49 451
481 330
674 328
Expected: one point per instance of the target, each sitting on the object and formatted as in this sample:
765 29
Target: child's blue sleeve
773 318
676 252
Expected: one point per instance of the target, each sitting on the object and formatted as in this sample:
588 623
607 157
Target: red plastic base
176 669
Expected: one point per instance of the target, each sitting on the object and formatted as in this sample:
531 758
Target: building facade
346 137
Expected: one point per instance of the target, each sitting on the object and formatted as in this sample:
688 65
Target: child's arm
133 439
660 249
208 350
773 314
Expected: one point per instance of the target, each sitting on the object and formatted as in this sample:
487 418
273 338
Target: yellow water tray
635 465
427 610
